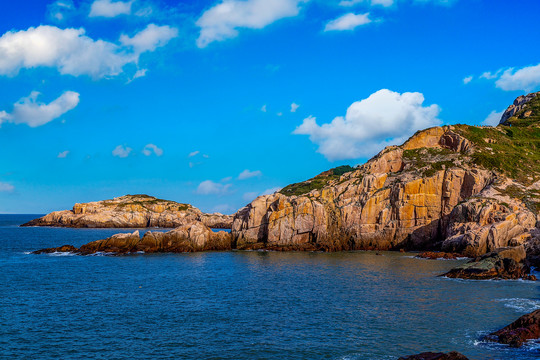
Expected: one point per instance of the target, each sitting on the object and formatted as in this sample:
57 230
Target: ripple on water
521 305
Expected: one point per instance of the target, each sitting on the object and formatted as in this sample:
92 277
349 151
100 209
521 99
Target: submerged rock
187 238
517 333
504 263
132 211
453 355
434 255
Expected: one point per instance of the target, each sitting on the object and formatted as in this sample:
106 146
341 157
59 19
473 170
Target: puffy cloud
150 38
294 107
493 118
246 174
384 118
121 151
33 113
263 108
108 8
148 149
527 78
209 187
348 21
5 187
223 20
63 154
193 153
74 53
467 80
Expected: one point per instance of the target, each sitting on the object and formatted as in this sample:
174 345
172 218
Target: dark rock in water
63 248
453 355
188 238
437 255
504 263
517 333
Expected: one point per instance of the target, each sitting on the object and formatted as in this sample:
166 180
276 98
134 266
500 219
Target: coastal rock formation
517 333
453 355
434 255
458 189
504 263
187 238
132 211
520 107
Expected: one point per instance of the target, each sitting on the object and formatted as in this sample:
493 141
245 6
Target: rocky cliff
457 188
132 211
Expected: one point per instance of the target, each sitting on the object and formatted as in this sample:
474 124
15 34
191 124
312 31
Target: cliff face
132 211
457 188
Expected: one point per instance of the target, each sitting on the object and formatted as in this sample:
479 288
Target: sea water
242 305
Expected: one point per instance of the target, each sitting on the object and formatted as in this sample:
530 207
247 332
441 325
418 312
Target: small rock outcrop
132 211
519 107
435 255
453 355
504 263
187 238
520 331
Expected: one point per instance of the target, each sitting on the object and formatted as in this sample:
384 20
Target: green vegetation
317 183
528 116
514 151
146 202
429 160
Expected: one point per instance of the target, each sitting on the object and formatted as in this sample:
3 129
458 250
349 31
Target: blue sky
215 102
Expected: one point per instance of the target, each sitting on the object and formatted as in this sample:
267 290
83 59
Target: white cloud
193 153
246 174
108 8
527 78
33 113
5 187
348 21
349 3
121 151
60 9
148 149
467 80
223 20
63 154
279 114
150 38
294 107
73 53
263 108
488 75
209 187
223 209
384 118
493 118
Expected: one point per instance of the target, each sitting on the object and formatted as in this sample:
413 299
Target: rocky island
460 189
132 211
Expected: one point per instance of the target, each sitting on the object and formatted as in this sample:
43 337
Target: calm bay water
241 305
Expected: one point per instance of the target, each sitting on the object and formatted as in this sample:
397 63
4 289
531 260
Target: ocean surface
242 305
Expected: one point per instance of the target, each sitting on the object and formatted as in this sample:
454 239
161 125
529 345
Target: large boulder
504 263
517 333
